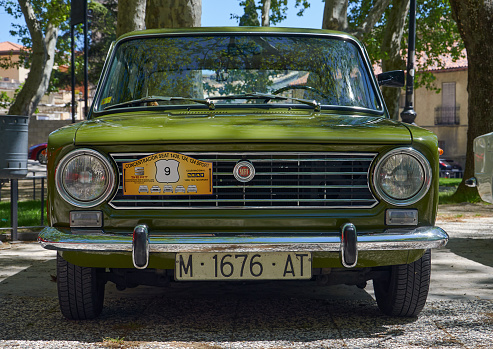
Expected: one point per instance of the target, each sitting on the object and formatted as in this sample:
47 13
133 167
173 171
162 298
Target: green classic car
241 154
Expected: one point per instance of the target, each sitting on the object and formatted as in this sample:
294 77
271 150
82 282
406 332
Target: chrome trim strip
390 239
261 153
250 200
287 186
297 173
244 207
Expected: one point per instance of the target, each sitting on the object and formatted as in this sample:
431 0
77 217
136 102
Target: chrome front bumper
390 239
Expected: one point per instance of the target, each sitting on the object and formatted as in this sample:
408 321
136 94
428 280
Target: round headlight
402 177
84 178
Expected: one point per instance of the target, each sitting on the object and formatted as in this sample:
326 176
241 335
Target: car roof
238 30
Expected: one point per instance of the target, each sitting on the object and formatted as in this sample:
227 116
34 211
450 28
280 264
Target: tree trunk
130 16
178 14
43 57
475 22
376 12
391 46
335 15
173 14
266 13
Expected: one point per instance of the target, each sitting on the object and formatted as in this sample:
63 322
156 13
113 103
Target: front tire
80 291
42 156
405 291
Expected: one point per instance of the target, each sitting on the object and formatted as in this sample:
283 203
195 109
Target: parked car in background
38 152
483 167
232 154
450 169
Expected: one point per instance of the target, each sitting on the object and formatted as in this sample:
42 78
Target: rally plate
243 266
167 174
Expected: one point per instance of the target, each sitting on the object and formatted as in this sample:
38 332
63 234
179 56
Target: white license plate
243 266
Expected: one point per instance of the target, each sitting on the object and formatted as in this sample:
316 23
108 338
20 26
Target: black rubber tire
404 293
80 291
42 157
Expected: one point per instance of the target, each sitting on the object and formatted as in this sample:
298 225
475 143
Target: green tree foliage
102 23
5 100
436 36
277 13
250 16
101 31
43 19
381 24
47 13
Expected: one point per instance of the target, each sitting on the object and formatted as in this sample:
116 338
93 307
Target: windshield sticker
106 100
167 174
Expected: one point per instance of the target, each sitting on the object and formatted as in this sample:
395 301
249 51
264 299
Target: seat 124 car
241 154
483 167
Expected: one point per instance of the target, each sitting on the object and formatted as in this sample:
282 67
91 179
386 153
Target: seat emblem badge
244 171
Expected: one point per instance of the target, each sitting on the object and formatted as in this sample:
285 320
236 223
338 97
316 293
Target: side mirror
395 78
471 182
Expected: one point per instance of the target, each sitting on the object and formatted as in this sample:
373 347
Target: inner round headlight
402 177
84 178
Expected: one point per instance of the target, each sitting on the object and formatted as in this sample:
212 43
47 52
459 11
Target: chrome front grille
282 180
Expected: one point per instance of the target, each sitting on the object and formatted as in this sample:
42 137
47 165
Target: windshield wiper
206 101
256 95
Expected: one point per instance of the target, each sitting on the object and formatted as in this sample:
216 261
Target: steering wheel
299 87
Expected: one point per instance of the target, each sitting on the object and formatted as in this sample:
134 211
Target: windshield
229 68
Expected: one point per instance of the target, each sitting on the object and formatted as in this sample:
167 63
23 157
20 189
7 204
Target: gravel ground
246 322
458 314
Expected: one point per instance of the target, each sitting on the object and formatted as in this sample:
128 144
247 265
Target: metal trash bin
14 130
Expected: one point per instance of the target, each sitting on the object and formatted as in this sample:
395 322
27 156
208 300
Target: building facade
445 112
13 75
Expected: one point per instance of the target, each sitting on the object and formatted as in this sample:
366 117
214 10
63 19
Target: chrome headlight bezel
425 185
60 183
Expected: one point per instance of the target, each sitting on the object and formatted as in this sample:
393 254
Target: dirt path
460 212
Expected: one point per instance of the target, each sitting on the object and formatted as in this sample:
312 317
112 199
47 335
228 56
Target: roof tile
7 46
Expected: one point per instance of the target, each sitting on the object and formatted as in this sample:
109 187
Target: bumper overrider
347 242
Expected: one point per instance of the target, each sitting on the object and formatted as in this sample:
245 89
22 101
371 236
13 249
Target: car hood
213 127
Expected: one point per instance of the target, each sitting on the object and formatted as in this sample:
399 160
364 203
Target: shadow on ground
477 250
194 312
232 315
